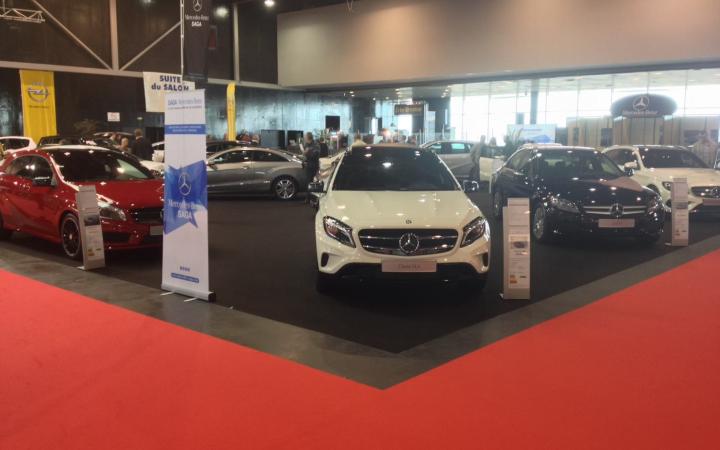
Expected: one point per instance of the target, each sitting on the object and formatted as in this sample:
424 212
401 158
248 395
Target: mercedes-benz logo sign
716 192
409 243
641 103
616 210
197 5
185 187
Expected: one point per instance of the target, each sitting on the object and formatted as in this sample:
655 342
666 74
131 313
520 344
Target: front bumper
583 223
130 235
334 258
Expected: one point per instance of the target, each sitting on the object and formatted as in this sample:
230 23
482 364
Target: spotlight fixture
269 3
221 12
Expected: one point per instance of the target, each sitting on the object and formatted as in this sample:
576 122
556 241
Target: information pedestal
516 248
680 214
90 229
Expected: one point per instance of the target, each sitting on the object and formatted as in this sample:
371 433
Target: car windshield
393 169
581 164
667 158
98 165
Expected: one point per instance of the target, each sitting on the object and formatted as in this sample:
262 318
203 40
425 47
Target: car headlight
563 205
667 185
338 231
473 231
111 212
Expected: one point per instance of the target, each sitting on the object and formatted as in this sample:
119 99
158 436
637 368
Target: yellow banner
38 100
231 133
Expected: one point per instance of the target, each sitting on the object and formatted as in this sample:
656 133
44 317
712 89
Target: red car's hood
131 194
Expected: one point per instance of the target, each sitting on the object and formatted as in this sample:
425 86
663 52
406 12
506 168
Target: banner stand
91 237
185 263
680 216
210 297
516 250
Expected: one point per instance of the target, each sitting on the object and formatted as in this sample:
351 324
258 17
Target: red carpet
639 369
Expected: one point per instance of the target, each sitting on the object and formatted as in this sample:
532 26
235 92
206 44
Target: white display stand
91 235
680 214
516 248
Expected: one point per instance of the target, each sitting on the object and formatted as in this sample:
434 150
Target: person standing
312 157
141 148
324 149
125 145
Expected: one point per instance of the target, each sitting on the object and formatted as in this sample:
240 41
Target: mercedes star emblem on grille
616 210
409 243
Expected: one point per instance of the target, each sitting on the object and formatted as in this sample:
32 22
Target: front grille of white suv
388 241
707 191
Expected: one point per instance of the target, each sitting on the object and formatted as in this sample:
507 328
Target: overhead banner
231 133
157 85
538 133
644 105
185 237
38 103
197 36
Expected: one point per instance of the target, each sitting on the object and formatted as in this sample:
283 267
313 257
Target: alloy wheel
539 223
285 189
71 237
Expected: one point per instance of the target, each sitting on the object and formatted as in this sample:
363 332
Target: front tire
70 237
540 230
285 188
4 233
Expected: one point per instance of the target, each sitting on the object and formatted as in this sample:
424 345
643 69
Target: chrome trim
387 241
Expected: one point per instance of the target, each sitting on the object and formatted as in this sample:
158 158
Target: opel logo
616 210
409 243
38 94
640 104
197 5
185 187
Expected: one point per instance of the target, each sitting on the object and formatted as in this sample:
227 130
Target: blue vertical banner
185 239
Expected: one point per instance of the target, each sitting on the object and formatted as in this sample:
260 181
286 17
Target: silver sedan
244 170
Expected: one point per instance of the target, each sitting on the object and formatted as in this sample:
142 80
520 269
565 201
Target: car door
36 200
230 171
265 165
513 179
457 157
12 182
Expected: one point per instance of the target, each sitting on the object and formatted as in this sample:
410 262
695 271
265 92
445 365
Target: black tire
326 284
498 201
70 239
285 188
4 233
539 227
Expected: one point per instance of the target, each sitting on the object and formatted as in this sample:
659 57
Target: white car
13 144
655 167
456 154
397 211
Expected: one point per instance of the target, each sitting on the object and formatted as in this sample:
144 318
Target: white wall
403 40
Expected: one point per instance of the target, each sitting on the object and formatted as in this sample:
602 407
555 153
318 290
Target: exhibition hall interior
371 224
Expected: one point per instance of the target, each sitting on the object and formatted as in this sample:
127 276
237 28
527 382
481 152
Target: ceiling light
269 3
221 12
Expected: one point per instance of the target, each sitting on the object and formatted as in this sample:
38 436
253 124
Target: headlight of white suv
667 185
473 231
563 205
338 231
111 212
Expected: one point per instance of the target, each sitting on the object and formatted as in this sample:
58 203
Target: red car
37 196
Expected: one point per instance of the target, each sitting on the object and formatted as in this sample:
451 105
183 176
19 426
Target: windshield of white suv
670 158
580 164
393 169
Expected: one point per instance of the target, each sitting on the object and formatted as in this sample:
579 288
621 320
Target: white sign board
113 117
157 85
680 213
185 239
90 228
537 133
516 245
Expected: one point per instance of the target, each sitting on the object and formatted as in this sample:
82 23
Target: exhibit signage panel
90 228
185 236
196 16
644 105
415 109
157 85
540 133
680 213
38 103
516 245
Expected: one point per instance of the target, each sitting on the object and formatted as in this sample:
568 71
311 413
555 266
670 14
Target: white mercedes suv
392 211
656 166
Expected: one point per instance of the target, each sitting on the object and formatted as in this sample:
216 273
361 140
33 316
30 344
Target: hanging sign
231 133
38 103
680 213
91 235
185 237
516 240
197 36
415 109
644 105
157 85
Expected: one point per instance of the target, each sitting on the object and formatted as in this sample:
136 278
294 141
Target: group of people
141 147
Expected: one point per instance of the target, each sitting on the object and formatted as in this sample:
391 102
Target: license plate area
156 230
616 223
410 266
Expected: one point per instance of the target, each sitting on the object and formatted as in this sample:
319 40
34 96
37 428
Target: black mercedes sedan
577 190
